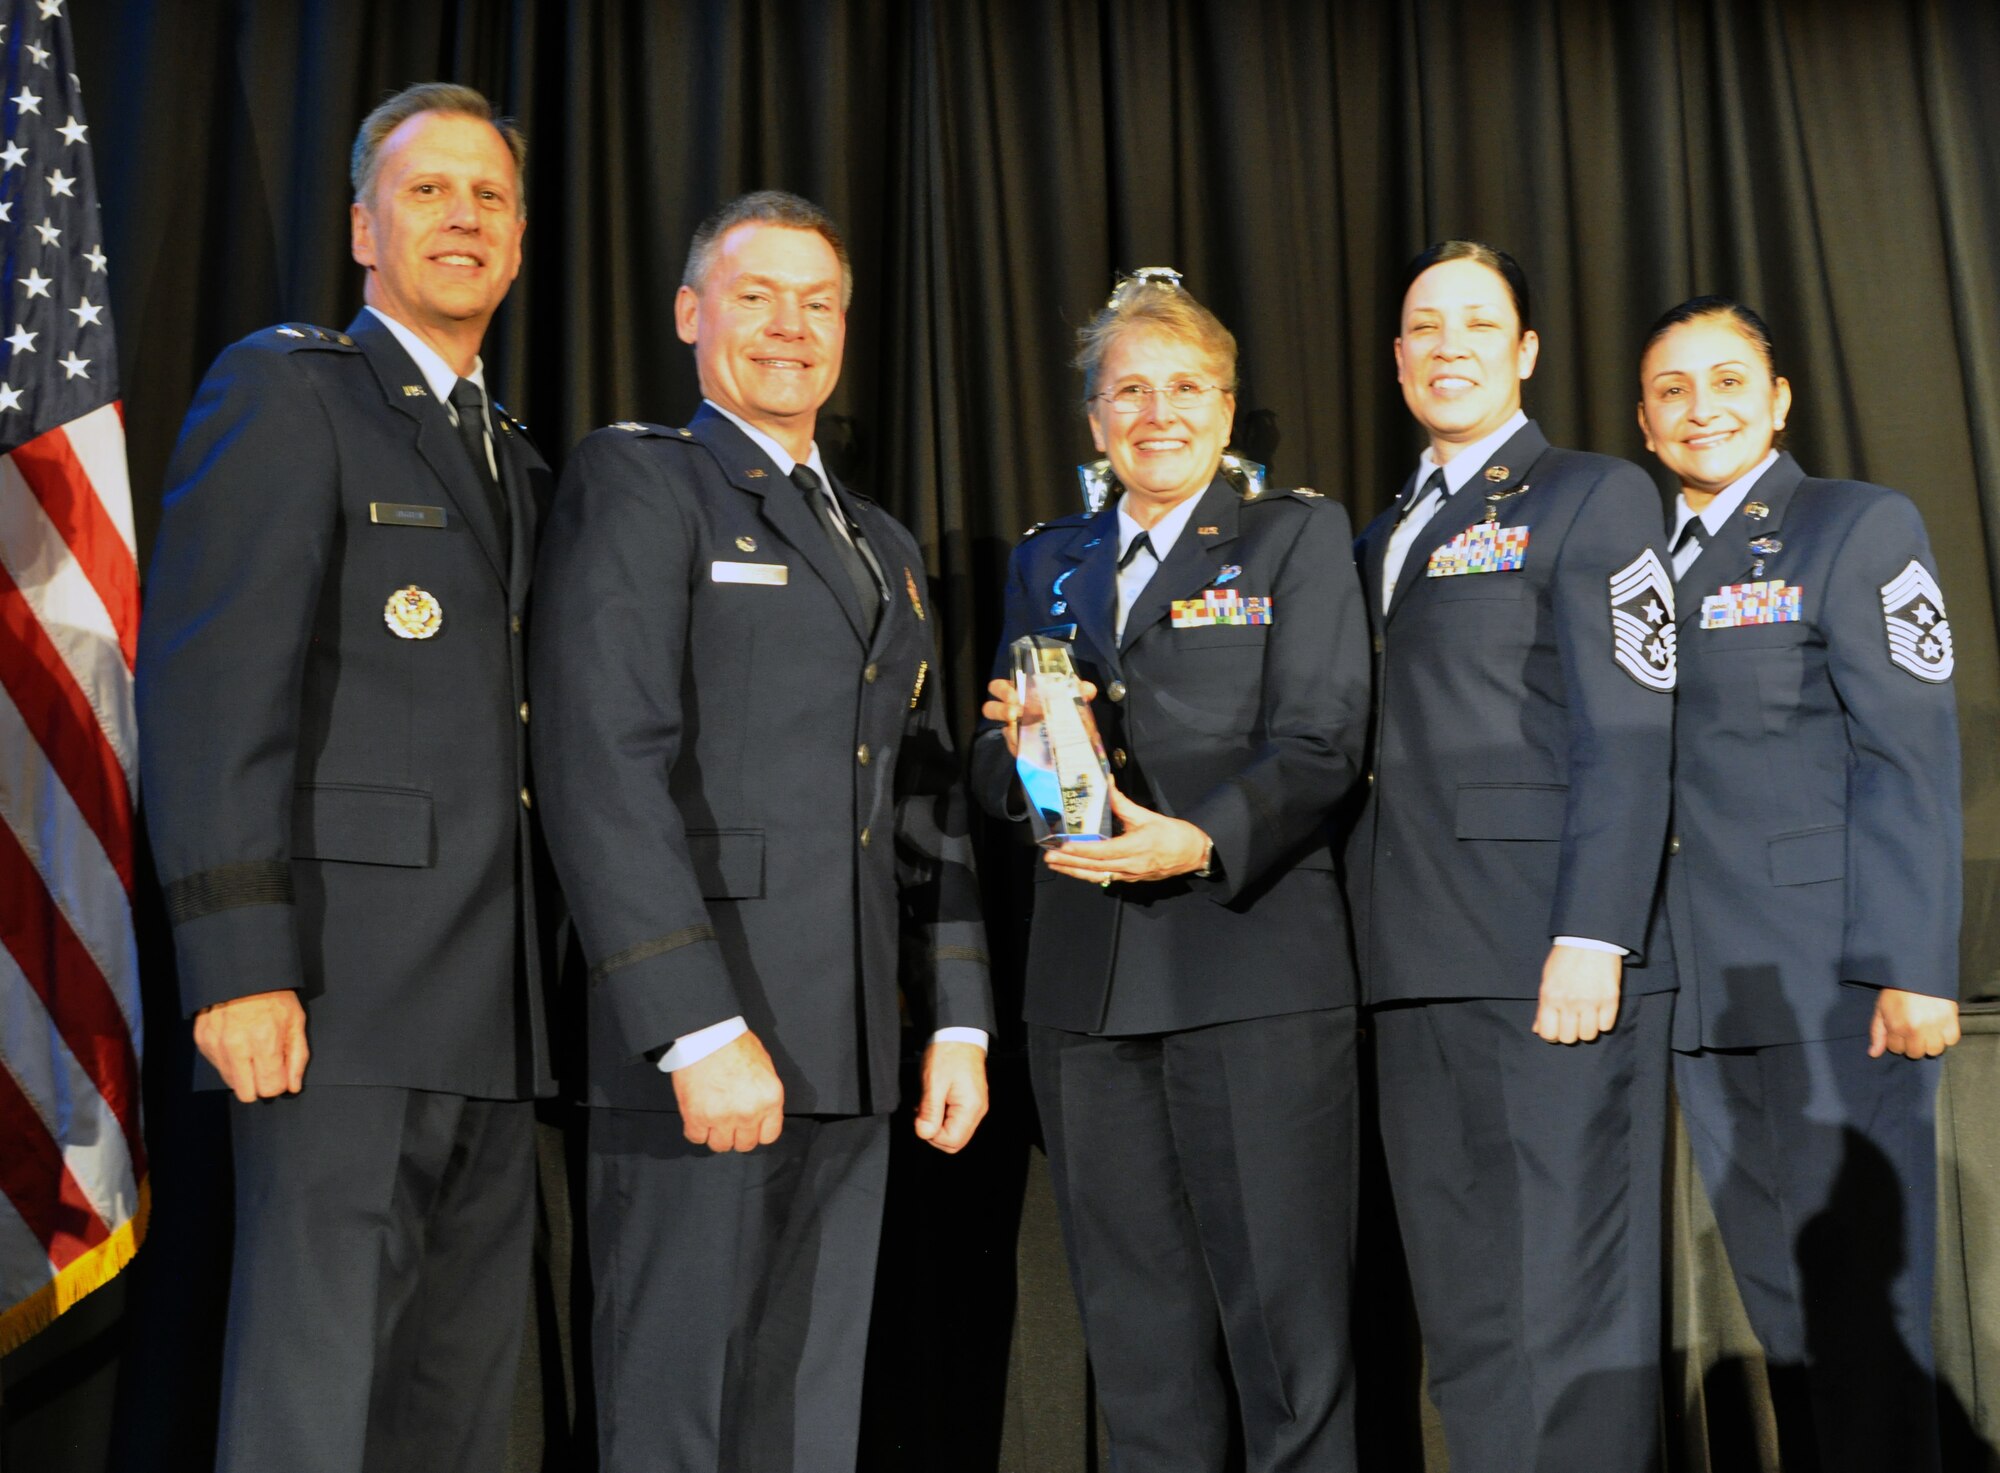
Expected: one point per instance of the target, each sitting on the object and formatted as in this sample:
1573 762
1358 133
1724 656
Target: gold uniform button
527 800
871 672
1371 779
864 838
524 713
1674 844
1118 758
515 624
861 754
1115 690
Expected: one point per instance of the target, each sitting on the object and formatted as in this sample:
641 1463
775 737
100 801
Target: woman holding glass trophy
1179 701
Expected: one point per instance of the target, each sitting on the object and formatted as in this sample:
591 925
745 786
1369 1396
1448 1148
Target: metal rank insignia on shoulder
1215 607
412 613
1485 548
1740 605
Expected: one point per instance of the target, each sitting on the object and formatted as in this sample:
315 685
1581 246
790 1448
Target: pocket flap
1810 855
1512 810
728 863
362 825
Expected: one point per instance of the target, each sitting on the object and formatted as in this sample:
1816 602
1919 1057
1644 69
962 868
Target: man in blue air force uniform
754 809
332 711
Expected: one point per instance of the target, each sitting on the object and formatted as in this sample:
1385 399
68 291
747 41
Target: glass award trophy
1059 756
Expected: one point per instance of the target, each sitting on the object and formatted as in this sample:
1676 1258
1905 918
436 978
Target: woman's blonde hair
1140 305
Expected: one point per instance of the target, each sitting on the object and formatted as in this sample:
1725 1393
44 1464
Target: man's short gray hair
765 207
432 97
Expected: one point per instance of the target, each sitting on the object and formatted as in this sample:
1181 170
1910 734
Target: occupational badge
412 613
910 585
1229 574
1919 633
1643 638
1761 548
1484 548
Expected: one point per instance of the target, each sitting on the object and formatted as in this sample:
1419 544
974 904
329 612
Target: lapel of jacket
1467 507
1193 563
1375 549
784 509
1087 581
1727 558
511 449
901 583
436 440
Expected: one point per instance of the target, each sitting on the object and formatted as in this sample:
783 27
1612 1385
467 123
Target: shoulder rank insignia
630 426
1740 605
1919 633
1486 548
412 613
1643 638
290 332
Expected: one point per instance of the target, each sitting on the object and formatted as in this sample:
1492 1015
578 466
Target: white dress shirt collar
1725 503
440 375
1163 534
1463 466
780 457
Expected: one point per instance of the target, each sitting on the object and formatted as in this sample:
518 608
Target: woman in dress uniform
1190 1002
1813 889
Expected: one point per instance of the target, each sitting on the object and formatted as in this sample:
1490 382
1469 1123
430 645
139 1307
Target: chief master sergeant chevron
755 813
332 718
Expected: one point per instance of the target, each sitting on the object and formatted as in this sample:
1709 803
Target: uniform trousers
1528 1185
732 1293
1204 1181
379 1282
1821 1164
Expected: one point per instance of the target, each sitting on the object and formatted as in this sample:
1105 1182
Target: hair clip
1145 276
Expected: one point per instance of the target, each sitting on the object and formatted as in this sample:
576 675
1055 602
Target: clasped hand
1149 846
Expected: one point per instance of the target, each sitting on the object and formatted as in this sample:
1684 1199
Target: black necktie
1139 544
1691 533
1434 482
470 403
846 544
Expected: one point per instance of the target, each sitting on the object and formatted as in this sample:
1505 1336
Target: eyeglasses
1132 398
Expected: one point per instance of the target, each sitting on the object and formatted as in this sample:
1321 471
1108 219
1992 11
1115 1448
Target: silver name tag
772 573
402 514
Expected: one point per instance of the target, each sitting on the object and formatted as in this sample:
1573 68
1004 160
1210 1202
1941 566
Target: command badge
1643 638
1919 634
412 613
910 583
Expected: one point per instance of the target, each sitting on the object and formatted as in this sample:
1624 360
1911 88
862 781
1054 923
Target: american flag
73 1188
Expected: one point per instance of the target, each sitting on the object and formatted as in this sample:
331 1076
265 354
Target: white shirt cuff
960 1035
1584 943
692 1048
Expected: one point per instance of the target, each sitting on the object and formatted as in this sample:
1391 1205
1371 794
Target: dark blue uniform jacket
753 806
1251 732
1521 755
333 808
1816 778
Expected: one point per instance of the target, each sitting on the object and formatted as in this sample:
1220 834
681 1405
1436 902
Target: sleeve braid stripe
254 882
960 954
646 950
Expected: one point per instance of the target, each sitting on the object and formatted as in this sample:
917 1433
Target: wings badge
1643 639
1919 633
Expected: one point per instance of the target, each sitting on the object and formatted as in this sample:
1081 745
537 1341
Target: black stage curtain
994 162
